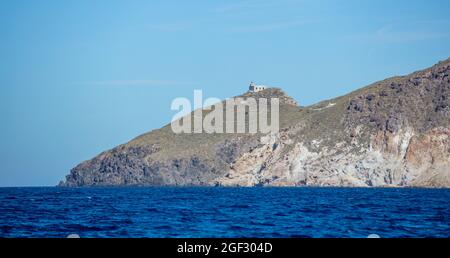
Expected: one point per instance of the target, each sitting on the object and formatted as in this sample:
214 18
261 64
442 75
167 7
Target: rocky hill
395 132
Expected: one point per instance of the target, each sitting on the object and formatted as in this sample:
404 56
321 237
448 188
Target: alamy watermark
235 115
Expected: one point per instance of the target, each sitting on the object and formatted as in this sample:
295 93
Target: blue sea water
224 212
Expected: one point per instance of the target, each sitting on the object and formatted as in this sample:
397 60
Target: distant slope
395 132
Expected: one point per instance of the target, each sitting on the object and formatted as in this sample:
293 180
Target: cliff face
392 133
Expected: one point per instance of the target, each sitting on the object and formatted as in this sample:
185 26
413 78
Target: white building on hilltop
256 88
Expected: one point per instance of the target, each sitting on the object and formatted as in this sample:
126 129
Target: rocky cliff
394 132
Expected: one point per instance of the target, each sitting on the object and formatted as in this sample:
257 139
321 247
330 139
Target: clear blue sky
80 77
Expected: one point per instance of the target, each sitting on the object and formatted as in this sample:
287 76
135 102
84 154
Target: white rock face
389 161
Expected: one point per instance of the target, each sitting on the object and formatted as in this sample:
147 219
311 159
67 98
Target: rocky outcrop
393 133
401 159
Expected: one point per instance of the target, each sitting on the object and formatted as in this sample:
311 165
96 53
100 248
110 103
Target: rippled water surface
224 212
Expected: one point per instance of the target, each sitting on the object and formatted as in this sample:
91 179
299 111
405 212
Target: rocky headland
393 133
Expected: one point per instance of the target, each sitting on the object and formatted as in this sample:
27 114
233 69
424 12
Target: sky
80 77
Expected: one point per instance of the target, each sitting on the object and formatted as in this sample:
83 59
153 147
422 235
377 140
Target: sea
194 212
